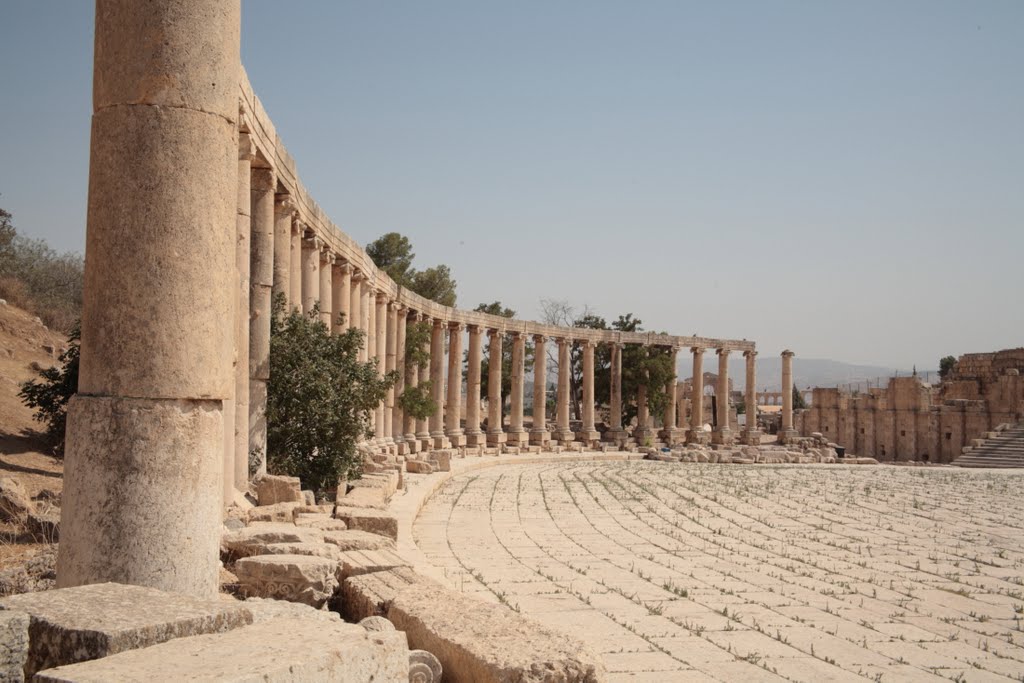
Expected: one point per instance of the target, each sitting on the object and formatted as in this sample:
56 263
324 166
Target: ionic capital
722 352
326 256
697 350
263 179
246 151
787 354
311 241
344 267
456 326
750 354
284 204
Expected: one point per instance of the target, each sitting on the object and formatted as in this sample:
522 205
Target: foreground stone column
237 458
696 434
643 434
355 307
295 268
310 272
495 428
562 432
516 434
539 434
423 426
264 223
616 434
438 438
398 415
326 287
412 381
453 409
144 455
390 364
284 212
670 432
787 434
366 311
369 305
474 435
381 349
589 435
722 433
751 434
342 282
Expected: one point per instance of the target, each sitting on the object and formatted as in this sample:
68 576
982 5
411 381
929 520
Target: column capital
297 224
343 266
494 332
284 204
246 150
697 350
312 242
539 338
787 354
750 353
263 179
456 326
587 343
382 297
515 334
357 275
722 351
326 256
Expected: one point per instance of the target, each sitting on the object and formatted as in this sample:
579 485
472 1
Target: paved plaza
748 573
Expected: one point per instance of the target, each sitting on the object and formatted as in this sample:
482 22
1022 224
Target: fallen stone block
296 578
265 609
369 595
365 497
374 521
357 562
863 461
319 520
296 649
13 645
419 467
424 667
71 625
272 489
281 512
326 550
249 540
444 462
452 626
353 539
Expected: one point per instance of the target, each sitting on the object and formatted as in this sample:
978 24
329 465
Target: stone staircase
1003 447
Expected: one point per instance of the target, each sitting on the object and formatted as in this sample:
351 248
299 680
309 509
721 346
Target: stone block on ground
356 562
296 578
88 622
368 595
354 539
296 649
374 521
365 497
13 645
444 461
266 609
418 467
319 520
280 512
272 489
249 540
484 642
326 550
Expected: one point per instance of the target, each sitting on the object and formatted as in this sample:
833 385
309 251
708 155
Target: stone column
381 330
412 381
369 306
616 434
398 415
423 426
670 432
284 211
589 436
516 434
474 435
751 434
562 432
342 282
365 317
310 272
237 460
495 428
539 435
295 268
786 433
264 223
453 409
438 438
390 364
722 433
696 434
643 434
144 452
326 287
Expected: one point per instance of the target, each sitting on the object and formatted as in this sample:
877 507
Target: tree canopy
946 366
496 308
393 253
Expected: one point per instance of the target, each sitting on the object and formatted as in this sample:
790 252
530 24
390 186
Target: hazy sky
843 179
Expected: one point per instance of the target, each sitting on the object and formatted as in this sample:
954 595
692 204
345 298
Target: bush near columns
417 401
319 397
49 396
495 308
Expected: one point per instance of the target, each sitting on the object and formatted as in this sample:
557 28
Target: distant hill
810 372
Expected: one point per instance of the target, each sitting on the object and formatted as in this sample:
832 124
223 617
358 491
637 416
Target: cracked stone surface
706 572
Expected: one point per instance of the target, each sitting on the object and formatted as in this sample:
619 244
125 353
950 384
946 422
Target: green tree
392 253
946 366
602 364
49 397
495 308
798 399
435 284
318 399
417 401
7 235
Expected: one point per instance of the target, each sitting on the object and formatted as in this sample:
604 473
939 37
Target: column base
540 437
750 437
616 436
722 436
520 438
456 439
412 442
474 439
697 436
788 436
496 438
672 435
644 436
589 438
564 436
439 441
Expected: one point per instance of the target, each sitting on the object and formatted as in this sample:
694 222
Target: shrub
49 396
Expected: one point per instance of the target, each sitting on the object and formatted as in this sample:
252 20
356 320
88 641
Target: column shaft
264 223
423 426
381 348
437 384
562 431
615 431
696 433
723 432
295 268
539 434
474 436
284 210
670 432
787 432
310 273
390 364
516 433
237 459
751 434
342 297
369 306
412 381
495 430
589 433
453 410
398 416
326 288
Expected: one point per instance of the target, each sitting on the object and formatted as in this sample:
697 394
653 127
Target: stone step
287 649
356 562
1000 449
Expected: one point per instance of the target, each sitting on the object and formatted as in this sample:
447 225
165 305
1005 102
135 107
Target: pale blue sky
843 179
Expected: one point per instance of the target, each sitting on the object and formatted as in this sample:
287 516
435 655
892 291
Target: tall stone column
284 211
398 415
786 433
751 434
696 434
437 436
425 369
516 434
342 282
474 435
238 458
562 432
412 381
295 268
495 428
453 409
144 452
326 286
310 272
670 432
390 363
355 306
366 311
369 305
643 434
589 435
722 433
539 435
264 223
616 434
381 330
